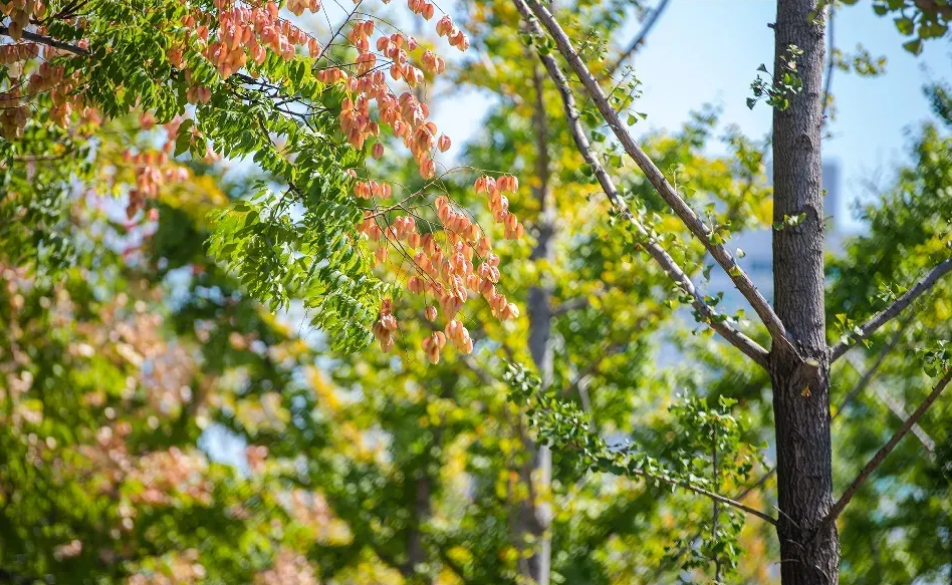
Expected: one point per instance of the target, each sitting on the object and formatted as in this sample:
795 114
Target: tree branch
886 449
687 215
48 41
639 38
880 319
898 409
748 346
703 492
867 376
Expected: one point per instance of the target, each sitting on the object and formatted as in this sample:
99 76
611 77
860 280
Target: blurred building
757 245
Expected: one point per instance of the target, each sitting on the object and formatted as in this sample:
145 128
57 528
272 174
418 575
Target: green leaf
914 46
905 25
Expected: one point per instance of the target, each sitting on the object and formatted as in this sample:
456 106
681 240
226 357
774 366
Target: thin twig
867 377
639 38
883 317
885 450
748 346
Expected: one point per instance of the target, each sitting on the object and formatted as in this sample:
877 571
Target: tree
799 360
106 390
311 232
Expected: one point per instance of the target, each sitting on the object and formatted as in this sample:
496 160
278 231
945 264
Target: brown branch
883 317
933 6
639 39
886 449
687 215
48 41
748 346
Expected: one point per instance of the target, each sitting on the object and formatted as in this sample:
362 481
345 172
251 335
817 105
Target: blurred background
159 426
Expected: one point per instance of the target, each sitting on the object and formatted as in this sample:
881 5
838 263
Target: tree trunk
416 554
809 547
536 516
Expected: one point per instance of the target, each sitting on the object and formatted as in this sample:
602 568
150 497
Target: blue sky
707 51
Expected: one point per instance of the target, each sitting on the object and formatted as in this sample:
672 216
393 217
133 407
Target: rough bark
535 517
801 401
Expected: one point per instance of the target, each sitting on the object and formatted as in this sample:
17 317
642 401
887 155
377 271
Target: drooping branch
639 39
883 317
748 346
687 215
886 449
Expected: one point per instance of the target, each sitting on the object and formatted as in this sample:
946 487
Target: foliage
189 394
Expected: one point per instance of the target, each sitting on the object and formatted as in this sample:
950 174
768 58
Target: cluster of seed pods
20 12
405 115
152 170
456 37
13 114
450 269
10 54
386 325
243 34
499 203
297 7
14 111
51 78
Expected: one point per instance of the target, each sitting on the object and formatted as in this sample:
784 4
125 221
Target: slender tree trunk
809 547
540 332
424 484
416 554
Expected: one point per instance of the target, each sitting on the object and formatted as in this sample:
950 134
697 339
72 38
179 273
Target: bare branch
639 38
687 215
886 449
750 347
899 410
48 41
883 317
867 377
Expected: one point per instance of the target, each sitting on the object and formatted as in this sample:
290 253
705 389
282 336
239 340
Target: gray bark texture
801 402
